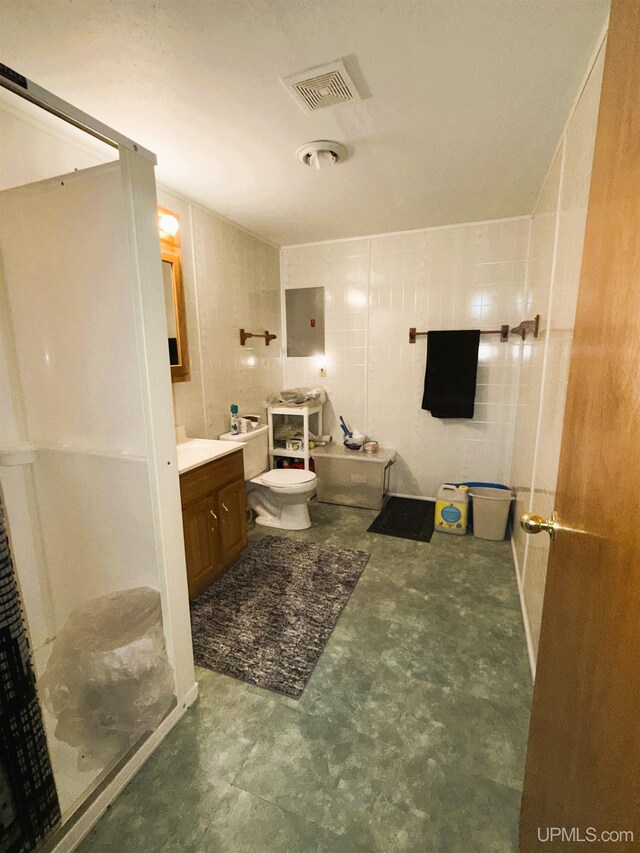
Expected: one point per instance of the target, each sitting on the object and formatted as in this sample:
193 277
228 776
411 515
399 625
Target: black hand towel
450 378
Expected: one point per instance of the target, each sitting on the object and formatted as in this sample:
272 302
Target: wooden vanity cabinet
214 518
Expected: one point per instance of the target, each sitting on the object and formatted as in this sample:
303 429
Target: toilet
278 497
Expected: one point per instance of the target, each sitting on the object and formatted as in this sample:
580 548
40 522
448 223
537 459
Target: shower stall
89 492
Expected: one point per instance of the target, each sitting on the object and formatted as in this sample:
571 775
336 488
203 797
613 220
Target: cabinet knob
225 508
213 514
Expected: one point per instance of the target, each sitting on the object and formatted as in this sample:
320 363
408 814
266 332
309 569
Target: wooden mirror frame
170 252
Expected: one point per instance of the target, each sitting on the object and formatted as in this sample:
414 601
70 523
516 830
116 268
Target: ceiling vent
322 87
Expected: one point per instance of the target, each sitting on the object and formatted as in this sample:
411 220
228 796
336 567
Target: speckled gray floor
410 735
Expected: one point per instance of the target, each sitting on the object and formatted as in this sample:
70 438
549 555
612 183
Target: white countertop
335 450
198 451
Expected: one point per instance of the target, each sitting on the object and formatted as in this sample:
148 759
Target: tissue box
249 422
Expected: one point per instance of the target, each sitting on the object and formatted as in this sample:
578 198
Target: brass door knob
532 523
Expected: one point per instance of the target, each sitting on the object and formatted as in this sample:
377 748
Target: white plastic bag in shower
108 680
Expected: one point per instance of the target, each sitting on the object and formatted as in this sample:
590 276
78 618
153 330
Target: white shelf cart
310 418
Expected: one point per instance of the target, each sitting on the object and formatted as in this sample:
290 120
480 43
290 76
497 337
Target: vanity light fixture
168 224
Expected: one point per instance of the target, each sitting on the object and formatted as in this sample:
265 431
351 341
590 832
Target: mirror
304 307
169 225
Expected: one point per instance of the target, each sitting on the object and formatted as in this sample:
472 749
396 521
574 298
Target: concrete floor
410 735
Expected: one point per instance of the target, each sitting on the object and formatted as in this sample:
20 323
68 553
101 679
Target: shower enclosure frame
138 183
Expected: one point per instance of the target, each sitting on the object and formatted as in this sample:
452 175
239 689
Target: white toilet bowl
279 497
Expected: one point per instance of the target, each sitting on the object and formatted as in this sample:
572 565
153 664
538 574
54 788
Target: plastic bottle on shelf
235 420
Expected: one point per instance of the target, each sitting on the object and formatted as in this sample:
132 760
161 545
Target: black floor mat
406 518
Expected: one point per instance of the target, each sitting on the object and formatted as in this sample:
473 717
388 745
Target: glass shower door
75 473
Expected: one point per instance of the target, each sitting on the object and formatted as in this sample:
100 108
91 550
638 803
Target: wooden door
233 526
201 543
582 774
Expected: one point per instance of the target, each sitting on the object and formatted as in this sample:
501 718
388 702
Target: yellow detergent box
452 509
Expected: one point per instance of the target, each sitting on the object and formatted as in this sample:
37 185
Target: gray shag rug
268 618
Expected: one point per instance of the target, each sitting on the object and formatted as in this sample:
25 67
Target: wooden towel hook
244 337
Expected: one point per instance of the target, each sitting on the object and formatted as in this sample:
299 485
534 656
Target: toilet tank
255 450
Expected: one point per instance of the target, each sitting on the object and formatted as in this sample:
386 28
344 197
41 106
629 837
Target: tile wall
540 273
552 289
458 277
342 268
231 281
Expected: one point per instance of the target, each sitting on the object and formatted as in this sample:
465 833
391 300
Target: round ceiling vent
322 153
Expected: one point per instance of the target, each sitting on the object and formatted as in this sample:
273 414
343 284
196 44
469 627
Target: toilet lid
287 477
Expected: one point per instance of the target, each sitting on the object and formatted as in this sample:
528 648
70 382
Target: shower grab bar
532 326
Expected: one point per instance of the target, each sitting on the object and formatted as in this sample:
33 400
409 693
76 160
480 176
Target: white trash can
490 512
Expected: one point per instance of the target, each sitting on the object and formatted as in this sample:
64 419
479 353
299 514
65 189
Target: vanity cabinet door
213 518
233 525
201 543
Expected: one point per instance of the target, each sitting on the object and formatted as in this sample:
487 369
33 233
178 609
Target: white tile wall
188 396
342 268
238 287
554 275
467 276
232 281
541 261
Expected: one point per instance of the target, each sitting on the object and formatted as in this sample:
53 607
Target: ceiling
463 100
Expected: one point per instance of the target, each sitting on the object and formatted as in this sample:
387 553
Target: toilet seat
282 478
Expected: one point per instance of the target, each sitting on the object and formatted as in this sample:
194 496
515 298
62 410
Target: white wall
552 289
457 277
232 281
543 236
37 145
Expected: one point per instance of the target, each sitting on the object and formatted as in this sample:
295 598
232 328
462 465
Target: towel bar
504 331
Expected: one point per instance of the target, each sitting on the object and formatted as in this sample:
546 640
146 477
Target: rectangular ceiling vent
322 87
